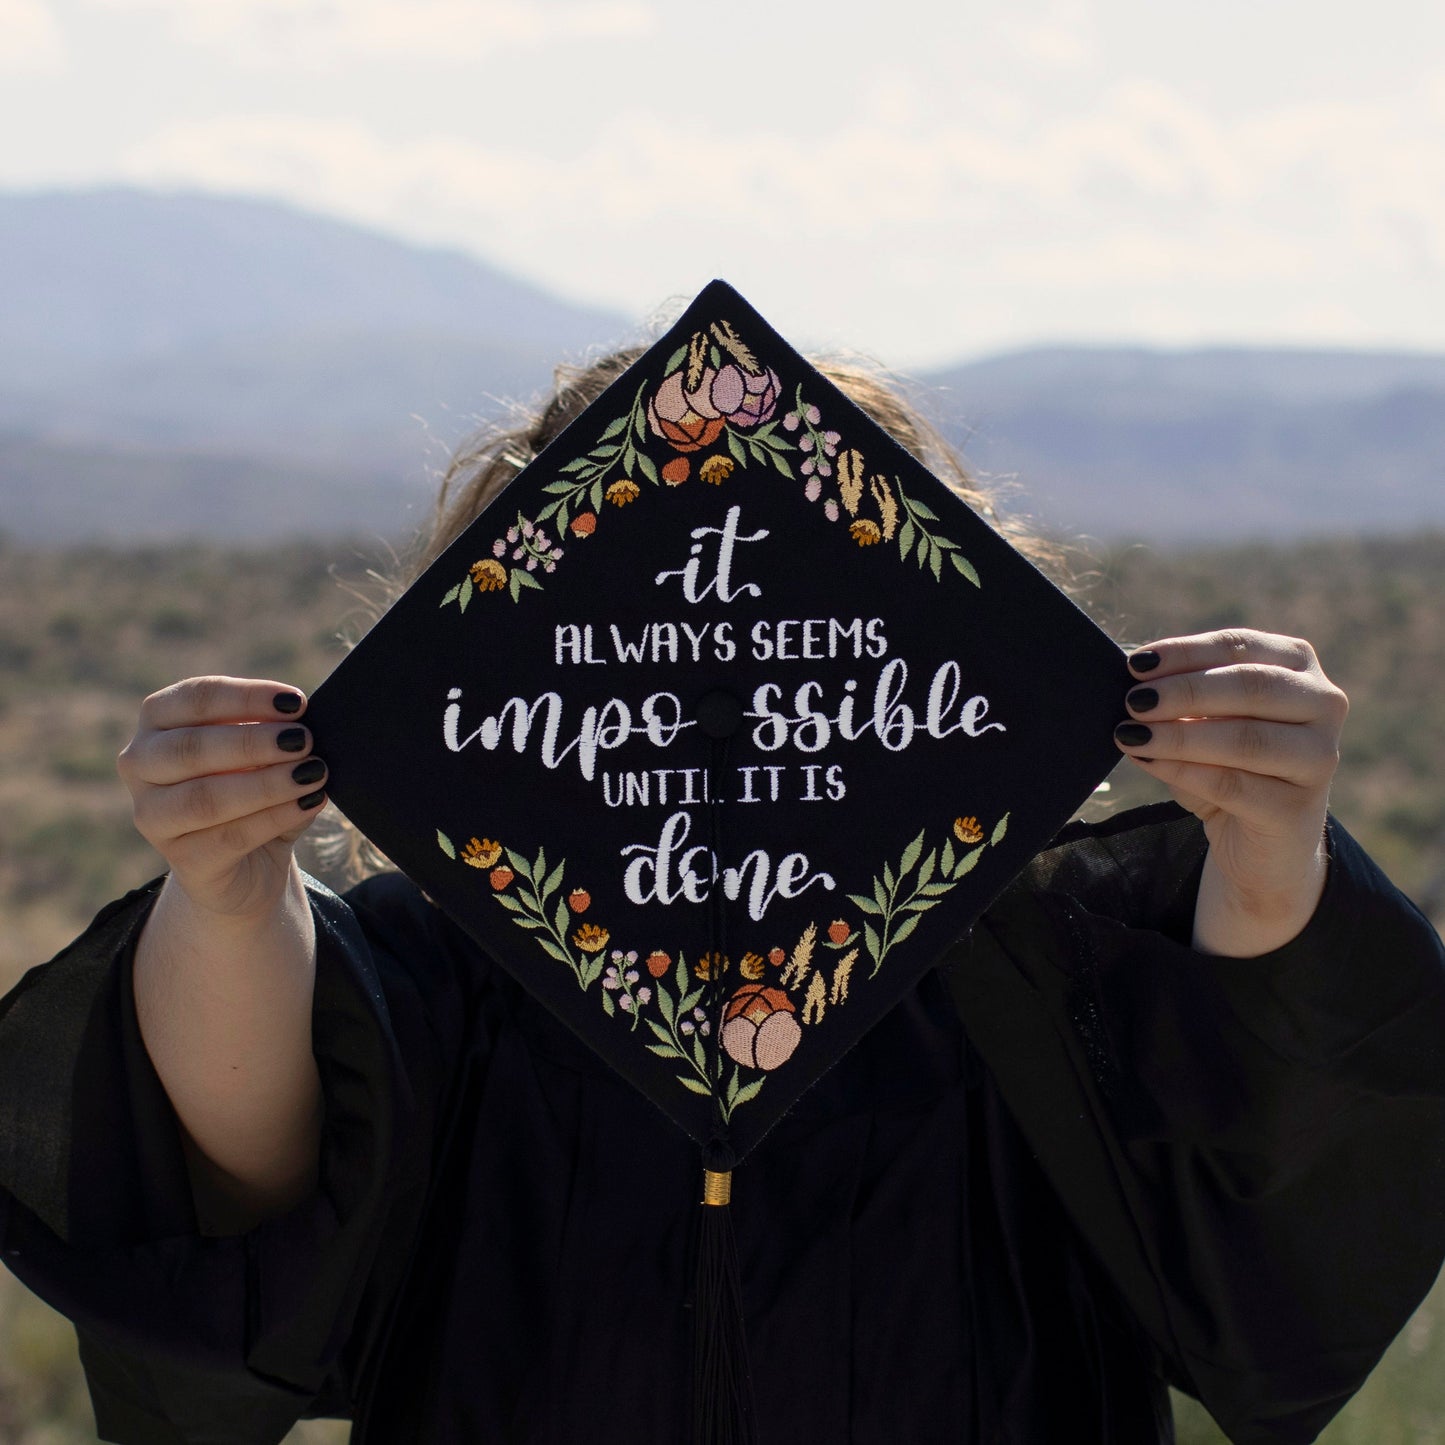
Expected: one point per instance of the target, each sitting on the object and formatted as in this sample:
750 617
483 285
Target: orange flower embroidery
716 470
591 938
710 961
489 575
620 493
751 967
584 524
678 470
966 830
481 853
864 532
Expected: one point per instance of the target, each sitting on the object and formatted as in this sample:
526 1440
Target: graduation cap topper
721 723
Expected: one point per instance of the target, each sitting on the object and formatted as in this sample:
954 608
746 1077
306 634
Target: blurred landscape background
219 416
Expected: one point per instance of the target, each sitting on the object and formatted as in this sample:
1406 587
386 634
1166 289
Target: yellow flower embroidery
489 575
591 938
481 853
966 830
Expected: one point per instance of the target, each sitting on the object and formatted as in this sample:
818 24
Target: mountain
176 365
1214 443
155 350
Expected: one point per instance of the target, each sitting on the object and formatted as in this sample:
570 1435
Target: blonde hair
486 462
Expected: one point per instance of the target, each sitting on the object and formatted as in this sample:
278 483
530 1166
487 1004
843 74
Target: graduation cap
720 724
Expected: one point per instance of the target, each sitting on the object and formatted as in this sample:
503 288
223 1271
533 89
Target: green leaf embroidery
694 1086
665 1051
446 845
910 856
967 863
1000 828
451 595
965 566
465 595
675 360
613 427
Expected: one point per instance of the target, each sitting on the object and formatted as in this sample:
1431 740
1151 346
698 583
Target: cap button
719 714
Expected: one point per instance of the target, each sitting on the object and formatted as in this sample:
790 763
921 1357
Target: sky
923 180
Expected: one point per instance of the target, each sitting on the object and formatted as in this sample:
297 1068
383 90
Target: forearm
224 1006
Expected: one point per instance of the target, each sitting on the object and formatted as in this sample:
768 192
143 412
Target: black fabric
1077 1160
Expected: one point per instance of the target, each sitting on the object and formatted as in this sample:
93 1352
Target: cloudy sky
923 179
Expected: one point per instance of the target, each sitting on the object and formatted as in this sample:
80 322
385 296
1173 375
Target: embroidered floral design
761 1024
591 938
716 470
713 389
899 901
619 981
481 853
488 575
760 1030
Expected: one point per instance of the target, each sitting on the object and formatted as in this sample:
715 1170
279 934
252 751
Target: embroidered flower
488 575
830 510
776 957
697 1024
865 532
658 963
751 967
481 853
746 400
677 471
966 830
584 524
716 470
705 966
591 938
839 932
499 547
501 876
813 490
759 1027
623 491
579 900
686 420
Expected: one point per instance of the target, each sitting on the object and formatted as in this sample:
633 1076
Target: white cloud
1120 212
327 34
30 40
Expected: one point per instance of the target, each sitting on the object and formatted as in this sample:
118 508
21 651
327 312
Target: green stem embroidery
898 903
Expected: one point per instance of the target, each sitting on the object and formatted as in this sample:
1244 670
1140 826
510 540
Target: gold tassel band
717 1188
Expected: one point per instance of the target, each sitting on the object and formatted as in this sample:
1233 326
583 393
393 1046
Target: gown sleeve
1252 1149
187 1337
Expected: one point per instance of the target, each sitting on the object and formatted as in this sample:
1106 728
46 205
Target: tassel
721 1383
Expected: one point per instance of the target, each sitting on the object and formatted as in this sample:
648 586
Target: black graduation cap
720 724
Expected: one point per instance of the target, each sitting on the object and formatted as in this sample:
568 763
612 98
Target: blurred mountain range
200 366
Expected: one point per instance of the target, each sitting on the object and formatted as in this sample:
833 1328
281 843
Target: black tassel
721 1383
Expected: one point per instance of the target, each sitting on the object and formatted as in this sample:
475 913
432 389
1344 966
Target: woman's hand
1244 729
223 783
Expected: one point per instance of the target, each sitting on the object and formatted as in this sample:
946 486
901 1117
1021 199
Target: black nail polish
311 800
1132 734
291 740
1142 699
311 771
287 702
1145 661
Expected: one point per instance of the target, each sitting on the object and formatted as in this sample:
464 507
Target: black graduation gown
1077 1161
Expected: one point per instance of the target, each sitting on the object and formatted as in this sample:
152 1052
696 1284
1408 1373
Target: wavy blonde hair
487 461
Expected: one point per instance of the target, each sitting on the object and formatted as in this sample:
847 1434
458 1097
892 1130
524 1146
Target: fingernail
311 771
311 800
287 702
1132 734
291 740
1142 699
1145 661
